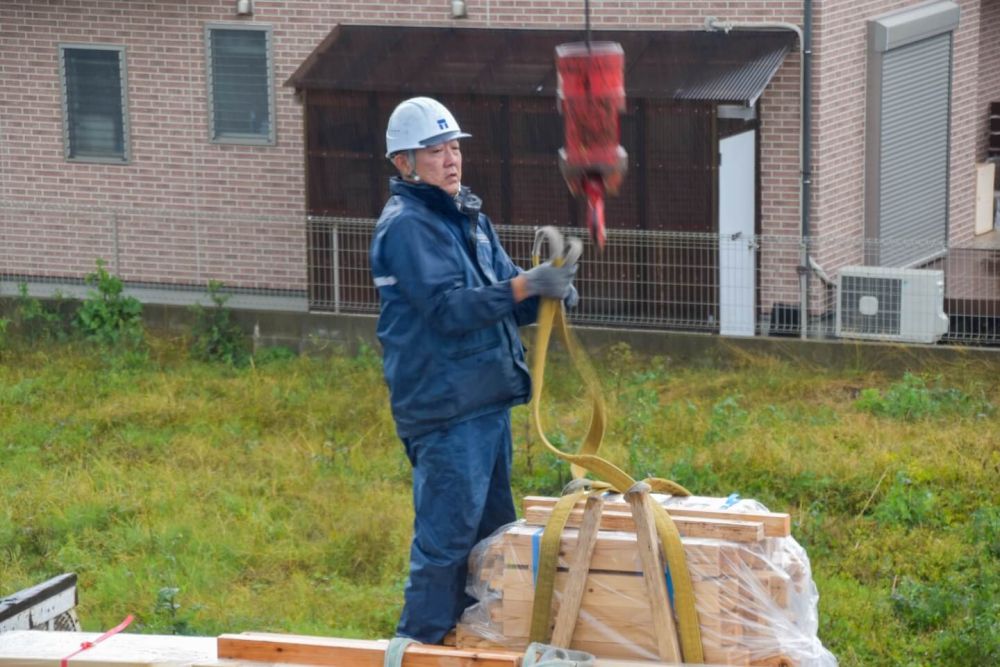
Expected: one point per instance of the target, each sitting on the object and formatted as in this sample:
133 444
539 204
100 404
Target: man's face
441 165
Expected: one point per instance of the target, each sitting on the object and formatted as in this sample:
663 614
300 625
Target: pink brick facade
989 68
185 210
839 98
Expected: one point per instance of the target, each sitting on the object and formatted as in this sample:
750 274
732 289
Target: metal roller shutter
908 127
913 171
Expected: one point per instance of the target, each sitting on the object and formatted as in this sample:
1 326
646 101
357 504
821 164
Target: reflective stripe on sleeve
385 281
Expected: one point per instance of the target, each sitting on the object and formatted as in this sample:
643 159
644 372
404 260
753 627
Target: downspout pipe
806 175
804 35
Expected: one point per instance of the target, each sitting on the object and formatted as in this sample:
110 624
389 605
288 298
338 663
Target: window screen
239 80
95 126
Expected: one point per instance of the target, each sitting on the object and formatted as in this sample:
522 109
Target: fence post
335 264
115 248
804 289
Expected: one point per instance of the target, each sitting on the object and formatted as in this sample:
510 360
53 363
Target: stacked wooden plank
263 647
754 595
35 648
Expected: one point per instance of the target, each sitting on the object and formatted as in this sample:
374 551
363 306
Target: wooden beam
730 530
305 650
664 629
569 609
776 524
616 552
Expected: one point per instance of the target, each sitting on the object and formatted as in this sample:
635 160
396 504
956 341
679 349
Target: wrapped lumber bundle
755 599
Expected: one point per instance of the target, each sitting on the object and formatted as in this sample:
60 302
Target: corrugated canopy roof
679 65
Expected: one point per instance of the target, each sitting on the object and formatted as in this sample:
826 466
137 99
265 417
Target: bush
34 320
912 398
107 316
925 606
907 504
274 355
727 421
986 530
216 336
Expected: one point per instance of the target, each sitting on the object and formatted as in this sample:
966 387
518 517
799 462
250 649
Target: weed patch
907 504
538 471
211 497
985 530
913 398
924 607
215 335
274 355
728 420
107 316
963 621
169 616
34 320
691 475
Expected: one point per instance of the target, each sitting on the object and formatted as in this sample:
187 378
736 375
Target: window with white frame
95 106
240 84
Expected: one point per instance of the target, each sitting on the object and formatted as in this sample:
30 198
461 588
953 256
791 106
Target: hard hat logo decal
442 124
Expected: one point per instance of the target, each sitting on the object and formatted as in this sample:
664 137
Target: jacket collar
430 195
437 199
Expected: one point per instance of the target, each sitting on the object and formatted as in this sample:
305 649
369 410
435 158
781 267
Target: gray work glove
572 298
549 280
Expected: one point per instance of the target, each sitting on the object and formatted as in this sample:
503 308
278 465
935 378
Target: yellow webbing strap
548 562
551 314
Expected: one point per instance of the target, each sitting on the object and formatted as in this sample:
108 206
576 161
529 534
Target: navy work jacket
448 322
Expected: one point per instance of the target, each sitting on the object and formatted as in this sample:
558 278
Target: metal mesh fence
642 279
730 285
679 281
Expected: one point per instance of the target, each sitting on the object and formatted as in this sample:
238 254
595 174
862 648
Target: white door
737 250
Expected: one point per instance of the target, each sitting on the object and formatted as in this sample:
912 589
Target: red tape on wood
87 645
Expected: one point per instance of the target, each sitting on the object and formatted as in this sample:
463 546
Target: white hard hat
420 122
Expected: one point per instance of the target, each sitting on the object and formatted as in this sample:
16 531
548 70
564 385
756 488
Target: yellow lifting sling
608 476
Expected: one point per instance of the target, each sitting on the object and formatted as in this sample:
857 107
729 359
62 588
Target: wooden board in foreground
598 662
305 650
35 648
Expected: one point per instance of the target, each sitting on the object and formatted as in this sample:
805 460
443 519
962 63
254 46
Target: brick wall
174 169
966 125
839 68
839 124
989 69
249 200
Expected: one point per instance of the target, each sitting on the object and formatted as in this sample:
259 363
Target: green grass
275 497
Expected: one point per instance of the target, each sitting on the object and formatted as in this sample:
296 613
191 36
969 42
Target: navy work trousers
461 494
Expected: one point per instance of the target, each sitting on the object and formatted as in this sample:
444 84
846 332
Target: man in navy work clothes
451 303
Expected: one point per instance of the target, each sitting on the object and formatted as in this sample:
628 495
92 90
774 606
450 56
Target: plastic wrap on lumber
755 597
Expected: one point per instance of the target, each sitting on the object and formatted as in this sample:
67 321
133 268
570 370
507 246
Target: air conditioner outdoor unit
884 303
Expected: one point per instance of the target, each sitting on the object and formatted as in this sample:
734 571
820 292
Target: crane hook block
591 96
